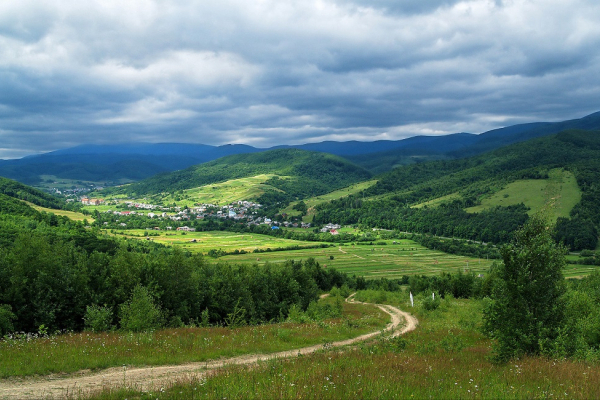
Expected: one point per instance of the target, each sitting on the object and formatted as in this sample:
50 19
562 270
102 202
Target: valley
201 280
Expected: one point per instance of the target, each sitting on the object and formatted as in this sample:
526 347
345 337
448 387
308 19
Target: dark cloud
272 72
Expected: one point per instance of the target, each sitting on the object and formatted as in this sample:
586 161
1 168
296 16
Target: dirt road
153 378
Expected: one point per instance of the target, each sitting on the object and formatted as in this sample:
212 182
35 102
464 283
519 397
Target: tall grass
71 352
446 357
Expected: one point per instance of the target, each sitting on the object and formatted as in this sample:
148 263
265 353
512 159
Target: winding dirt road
153 378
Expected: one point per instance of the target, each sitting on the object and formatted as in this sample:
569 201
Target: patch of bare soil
153 378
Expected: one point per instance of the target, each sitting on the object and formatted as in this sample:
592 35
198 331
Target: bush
140 313
6 319
97 318
430 303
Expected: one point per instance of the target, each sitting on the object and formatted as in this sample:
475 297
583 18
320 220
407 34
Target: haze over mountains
136 161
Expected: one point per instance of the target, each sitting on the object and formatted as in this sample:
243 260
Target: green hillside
295 174
432 197
557 195
23 192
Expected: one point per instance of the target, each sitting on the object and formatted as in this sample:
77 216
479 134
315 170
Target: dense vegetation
387 203
56 274
17 190
309 173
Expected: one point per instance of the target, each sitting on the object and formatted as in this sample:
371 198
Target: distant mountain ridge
135 162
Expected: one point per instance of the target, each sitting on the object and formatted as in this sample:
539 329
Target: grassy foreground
23 356
446 357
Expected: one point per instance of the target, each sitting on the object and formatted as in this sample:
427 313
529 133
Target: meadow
560 193
446 357
223 193
203 242
26 355
75 216
336 194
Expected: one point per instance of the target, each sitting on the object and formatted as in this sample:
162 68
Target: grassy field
202 242
337 194
78 351
560 192
438 201
75 216
223 193
391 261
377 261
446 357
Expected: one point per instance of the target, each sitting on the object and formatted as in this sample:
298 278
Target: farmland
203 242
390 260
377 261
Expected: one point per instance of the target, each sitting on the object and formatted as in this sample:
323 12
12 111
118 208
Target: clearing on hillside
559 192
336 194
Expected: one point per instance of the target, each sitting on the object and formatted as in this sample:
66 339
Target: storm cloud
276 72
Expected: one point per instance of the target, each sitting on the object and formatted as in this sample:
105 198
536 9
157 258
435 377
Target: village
243 211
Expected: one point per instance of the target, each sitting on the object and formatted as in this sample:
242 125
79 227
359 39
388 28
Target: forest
387 204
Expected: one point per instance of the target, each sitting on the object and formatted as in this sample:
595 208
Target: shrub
97 318
140 312
6 319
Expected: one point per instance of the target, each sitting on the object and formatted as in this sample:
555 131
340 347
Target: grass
75 216
226 241
560 193
224 193
438 201
406 257
337 194
73 352
446 357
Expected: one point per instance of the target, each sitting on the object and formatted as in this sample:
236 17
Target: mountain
437 197
300 173
98 163
436 144
429 148
114 164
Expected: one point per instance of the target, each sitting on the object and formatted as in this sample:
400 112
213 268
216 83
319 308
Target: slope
466 182
423 148
306 173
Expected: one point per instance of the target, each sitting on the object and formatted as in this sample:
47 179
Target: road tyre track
153 378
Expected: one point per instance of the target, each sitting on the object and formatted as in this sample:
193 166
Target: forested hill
23 192
457 146
310 173
468 180
57 274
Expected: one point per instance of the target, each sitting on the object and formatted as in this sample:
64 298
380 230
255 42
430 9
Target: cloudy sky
284 72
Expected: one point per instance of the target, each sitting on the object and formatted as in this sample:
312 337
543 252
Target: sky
265 73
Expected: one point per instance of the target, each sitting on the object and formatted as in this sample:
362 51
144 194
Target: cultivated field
392 260
203 242
375 261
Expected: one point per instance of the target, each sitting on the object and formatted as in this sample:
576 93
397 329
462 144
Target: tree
140 313
526 310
